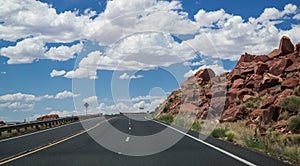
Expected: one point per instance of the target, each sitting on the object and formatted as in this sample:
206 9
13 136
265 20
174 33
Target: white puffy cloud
19 97
20 106
65 94
297 17
31 98
63 53
122 107
26 51
56 73
218 69
39 23
231 35
90 99
31 49
35 18
218 33
125 76
141 51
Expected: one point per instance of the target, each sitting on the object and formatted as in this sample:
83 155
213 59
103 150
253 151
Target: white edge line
41 131
208 144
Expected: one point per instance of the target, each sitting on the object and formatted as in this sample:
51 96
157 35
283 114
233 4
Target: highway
123 141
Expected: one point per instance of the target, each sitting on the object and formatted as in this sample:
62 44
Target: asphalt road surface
124 140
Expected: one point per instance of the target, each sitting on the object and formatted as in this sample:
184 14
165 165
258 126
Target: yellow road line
10 159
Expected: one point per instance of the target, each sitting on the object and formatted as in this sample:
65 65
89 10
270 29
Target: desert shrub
196 126
291 103
219 133
284 116
294 123
230 135
252 104
166 118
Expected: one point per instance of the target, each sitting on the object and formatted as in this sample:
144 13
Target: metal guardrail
38 124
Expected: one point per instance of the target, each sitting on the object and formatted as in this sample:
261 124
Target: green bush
230 135
291 103
196 126
219 133
166 118
294 124
252 103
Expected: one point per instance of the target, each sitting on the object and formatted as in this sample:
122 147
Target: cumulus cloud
39 23
26 102
142 51
56 73
19 97
30 97
297 17
231 35
63 95
20 106
90 99
218 69
125 76
122 107
31 49
215 33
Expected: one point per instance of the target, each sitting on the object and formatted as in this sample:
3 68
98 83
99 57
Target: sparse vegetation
219 133
196 126
294 123
275 143
166 118
291 103
252 103
284 116
231 135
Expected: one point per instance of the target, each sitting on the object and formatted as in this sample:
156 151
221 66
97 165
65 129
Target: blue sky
122 55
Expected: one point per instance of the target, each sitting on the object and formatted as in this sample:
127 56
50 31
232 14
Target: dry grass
275 143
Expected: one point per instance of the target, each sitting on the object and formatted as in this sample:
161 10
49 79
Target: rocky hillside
262 89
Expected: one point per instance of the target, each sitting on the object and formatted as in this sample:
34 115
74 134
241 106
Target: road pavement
125 140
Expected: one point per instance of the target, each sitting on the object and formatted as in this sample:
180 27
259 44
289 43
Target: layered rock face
254 90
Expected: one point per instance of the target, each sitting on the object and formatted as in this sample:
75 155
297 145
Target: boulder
297 91
204 75
267 116
238 83
232 114
245 58
261 58
290 83
297 47
256 113
267 102
286 46
269 81
244 91
248 97
261 68
274 53
284 94
277 66
188 107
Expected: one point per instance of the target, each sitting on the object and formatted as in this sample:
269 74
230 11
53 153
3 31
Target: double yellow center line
15 157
